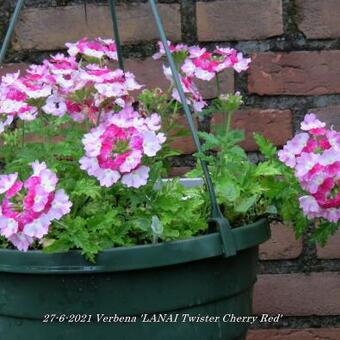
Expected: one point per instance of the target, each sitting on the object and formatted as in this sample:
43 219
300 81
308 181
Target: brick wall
295 47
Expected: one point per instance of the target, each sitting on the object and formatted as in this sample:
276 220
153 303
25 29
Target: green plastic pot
182 277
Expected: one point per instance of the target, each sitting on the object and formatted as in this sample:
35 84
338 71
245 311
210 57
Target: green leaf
87 187
228 190
235 136
323 231
142 223
210 140
266 147
267 169
271 209
58 246
237 151
245 204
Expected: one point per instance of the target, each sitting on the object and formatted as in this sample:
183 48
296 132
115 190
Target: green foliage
242 187
246 190
3 242
323 231
118 216
102 217
285 190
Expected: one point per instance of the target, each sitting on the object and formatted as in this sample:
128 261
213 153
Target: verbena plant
83 160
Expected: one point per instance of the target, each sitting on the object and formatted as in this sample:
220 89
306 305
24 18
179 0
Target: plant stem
228 121
174 112
218 85
98 118
61 224
23 134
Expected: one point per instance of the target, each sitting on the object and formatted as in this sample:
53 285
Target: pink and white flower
232 58
292 149
203 67
313 125
55 106
7 181
194 98
28 208
85 89
136 178
115 149
173 49
97 48
315 157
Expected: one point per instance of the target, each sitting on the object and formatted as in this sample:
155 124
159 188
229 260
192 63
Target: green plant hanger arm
8 36
112 4
216 215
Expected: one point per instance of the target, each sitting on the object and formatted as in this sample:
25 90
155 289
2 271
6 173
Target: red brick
184 144
11 68
208 88
329 115
276 125
298 294
179 171
319 19
295 334
281 245
295 73
332 249
239 20
149 72
49 28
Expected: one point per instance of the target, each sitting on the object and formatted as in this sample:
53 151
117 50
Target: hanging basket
181 290
177 286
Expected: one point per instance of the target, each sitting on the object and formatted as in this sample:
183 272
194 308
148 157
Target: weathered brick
239 20
208 89
11 68
149 72
49 28
184 144
295 73
331 250
295 334
298 294
319 19
281 245
276 125
329 115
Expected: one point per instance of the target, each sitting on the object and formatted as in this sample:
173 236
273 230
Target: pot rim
134 257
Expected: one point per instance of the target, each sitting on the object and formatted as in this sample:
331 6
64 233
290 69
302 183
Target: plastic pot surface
179 290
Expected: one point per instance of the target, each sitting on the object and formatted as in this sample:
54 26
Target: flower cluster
115 149
62 84
195 62
193 97
315 157
118 139
98 48
28 208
